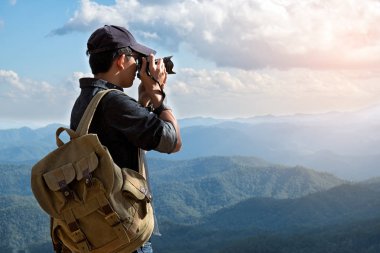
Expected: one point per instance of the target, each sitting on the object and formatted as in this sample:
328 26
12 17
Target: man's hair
101 62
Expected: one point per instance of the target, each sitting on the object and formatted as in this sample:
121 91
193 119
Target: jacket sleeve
141 127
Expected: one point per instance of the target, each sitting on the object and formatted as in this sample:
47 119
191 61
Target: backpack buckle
64 188
88 177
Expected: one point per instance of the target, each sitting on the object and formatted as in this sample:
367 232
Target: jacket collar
89 82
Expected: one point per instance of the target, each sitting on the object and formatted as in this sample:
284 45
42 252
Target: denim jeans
145 248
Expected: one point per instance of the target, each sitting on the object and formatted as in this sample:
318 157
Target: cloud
90 16
11 78
216 93
272 82
13 2
32 100
236 93
251 34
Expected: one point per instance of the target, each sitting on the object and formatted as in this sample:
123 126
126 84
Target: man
122 124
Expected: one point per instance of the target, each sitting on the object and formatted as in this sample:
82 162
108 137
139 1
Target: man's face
129 72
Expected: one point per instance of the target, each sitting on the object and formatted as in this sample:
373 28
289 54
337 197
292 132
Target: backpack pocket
135 185
68 182
136 191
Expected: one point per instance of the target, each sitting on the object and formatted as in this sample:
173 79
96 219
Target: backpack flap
53 197
58 178
85 166
135 185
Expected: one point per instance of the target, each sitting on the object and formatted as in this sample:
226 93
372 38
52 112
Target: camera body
169 65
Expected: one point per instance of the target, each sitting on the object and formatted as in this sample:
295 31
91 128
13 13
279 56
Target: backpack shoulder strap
88 114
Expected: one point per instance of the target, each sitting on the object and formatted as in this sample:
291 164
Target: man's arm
151 91
168 115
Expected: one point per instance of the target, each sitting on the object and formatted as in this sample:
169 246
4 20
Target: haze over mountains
345 144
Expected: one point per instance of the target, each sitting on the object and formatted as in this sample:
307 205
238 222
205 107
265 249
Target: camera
169 65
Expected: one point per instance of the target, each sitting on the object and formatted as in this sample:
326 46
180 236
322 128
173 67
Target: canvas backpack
96 206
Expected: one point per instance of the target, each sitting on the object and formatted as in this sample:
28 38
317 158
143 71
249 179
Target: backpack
95 205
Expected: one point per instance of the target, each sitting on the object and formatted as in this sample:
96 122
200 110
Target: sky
232 58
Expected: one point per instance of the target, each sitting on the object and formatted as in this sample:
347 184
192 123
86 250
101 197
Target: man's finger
143 65
152 66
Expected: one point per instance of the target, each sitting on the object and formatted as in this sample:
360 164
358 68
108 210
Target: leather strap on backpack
142 169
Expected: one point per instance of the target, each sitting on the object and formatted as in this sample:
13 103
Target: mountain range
212 183
343 219
268 184
344 144
186 193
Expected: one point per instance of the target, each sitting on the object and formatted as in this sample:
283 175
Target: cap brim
142 49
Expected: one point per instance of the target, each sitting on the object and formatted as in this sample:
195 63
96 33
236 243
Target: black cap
111 37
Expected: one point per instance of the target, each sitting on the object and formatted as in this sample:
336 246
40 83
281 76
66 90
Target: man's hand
157 71
144 98
152 85
150 92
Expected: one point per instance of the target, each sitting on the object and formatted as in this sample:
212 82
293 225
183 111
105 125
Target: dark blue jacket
122 124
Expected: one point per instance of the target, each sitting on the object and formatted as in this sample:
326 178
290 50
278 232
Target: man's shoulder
117 96
118 103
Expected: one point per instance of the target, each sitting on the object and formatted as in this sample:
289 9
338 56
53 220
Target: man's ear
120 61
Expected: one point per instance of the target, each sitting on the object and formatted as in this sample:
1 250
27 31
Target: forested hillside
185 190
22 223
222 203
343 219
